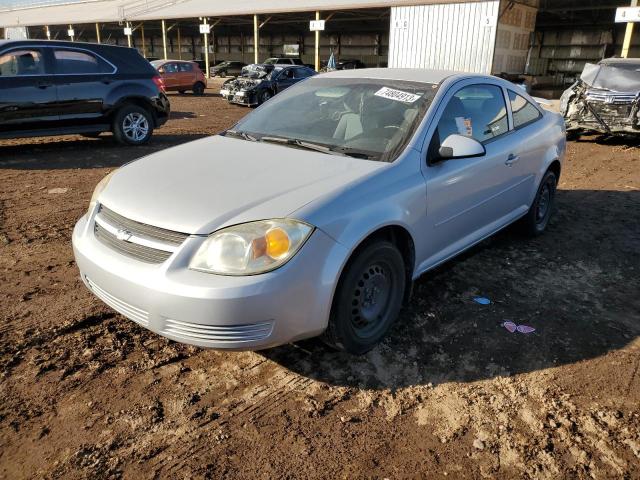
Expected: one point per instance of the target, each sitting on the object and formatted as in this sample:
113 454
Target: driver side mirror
161 70
459 146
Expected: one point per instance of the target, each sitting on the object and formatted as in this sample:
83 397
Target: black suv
60 88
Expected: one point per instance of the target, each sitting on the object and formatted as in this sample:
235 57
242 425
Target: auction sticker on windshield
397 95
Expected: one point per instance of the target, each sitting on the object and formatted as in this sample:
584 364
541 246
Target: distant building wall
448 37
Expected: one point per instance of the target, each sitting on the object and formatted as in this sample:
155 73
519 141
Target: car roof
60 43
619 61
402 74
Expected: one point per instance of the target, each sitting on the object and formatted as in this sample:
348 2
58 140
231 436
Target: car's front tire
132 125
368 298
537 218
264 96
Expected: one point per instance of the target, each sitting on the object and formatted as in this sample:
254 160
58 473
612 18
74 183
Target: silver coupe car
315 212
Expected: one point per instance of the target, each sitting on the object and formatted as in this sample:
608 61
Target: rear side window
476 111
73 62
21 63
523 111
302 73
185 67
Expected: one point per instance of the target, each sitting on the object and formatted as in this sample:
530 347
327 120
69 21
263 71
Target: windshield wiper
294 142
240 134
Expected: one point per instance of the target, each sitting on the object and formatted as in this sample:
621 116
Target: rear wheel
133 125
368 298
536 220
198 88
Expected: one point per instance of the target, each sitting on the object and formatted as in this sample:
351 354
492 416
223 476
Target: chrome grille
140 241
134 313
611 98
142 229
217 333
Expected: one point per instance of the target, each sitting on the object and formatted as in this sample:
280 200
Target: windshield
611 78
366 118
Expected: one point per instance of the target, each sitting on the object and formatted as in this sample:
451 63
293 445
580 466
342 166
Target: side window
22 62
301 73
523 111
75 62
170 68
476 111
186 67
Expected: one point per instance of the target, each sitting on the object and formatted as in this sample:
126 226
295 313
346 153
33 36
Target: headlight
102 184
241 93
251 248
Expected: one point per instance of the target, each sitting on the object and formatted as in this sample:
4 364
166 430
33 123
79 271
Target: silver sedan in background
315 212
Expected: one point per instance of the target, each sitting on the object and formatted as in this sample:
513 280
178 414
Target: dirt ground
86 393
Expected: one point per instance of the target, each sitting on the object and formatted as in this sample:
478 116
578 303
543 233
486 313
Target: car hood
207 184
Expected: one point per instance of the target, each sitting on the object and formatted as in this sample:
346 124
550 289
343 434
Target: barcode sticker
397 95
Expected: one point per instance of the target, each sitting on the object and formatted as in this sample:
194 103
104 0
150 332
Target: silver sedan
315 212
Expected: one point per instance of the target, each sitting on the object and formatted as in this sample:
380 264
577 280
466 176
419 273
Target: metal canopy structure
92 11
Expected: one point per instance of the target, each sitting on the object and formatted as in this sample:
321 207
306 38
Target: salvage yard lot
85 393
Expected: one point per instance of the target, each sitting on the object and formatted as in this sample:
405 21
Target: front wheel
132 125
537 218
368 298
264 96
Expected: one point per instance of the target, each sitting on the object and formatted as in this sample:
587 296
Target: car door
186 75
284 79
27 92
83 81
469 198
530 145
169 72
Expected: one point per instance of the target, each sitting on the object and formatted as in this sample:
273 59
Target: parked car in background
349 64
60 88
180 76
259 82
315 212
227 69
606 99
283 61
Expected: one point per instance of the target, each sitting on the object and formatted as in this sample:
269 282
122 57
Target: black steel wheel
264 96
536 220
368 298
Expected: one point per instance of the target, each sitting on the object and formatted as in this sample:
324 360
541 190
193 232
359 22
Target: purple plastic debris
512 327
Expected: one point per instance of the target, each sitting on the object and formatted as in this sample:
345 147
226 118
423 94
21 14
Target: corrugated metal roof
115 10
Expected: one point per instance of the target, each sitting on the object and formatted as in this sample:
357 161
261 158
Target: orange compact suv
179 75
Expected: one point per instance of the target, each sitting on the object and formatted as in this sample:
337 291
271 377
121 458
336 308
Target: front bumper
224 312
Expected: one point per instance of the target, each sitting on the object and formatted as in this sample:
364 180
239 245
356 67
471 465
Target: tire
537 218
198 88
125 130
368 298
264 96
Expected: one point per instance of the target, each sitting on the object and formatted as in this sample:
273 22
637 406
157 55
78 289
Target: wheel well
140 102
402 239
555 168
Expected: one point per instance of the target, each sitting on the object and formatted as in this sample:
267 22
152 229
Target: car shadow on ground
630 141
577 285
79 152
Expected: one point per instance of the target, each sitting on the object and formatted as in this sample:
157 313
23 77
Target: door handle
511 159
44 85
